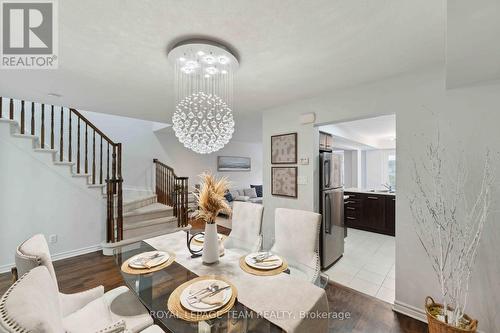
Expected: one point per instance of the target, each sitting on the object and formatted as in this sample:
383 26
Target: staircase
146 216
73 142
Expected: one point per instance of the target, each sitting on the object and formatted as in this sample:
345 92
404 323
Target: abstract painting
284 181
284 149
233 163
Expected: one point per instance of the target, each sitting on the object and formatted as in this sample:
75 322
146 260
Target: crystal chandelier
203 118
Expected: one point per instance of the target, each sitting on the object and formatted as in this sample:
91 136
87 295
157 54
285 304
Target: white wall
190 164
141 144
39 197
469 117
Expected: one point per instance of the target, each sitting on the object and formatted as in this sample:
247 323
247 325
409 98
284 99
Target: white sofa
245 195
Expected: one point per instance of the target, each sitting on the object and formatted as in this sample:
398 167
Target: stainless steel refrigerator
331 208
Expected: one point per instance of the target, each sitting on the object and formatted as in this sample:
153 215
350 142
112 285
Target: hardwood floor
367 314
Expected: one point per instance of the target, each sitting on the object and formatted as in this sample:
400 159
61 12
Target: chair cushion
250 192
124 305
258 189
93 317
153 329
32 253
32 304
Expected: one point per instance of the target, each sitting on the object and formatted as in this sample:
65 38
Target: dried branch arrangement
211 201
448 226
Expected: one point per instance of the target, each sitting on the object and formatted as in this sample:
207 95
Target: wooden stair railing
72 130
172 191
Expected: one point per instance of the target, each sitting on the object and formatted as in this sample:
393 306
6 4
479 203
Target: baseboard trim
410 311
58 256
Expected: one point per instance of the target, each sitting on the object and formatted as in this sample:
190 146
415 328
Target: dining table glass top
154 289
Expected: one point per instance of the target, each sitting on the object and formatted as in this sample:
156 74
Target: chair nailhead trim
5 320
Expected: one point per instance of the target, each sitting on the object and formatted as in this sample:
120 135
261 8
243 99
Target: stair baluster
42 128
11 109
78 147
93 158
32 118
100 162
86 150
52 127
22 117
61 138
70 152
1 107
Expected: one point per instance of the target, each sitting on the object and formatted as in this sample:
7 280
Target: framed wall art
233 163
284 181
284 149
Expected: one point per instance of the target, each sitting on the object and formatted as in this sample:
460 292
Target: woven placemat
263 272
135 271
175 307
197 242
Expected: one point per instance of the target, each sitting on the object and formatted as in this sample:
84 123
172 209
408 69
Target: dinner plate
138 261
275 263
201 237
200 306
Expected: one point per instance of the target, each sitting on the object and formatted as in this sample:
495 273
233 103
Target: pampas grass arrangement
211 201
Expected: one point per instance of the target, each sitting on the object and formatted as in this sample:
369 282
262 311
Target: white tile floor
367 265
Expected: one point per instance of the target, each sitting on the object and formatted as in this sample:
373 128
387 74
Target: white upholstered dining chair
121 302
246 228
32 304
297 240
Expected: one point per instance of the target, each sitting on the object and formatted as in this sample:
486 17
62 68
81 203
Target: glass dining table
154 289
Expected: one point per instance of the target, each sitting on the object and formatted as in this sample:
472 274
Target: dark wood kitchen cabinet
371 212
390 214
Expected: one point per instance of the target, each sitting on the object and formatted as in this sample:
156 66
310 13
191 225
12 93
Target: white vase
210 244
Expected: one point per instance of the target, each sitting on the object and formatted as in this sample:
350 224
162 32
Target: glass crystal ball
203 122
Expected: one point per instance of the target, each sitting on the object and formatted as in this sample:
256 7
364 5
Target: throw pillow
228 196
258 189
250 192
234 194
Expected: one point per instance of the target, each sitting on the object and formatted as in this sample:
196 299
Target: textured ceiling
113 53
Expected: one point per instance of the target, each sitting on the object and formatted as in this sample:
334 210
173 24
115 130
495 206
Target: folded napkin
147 260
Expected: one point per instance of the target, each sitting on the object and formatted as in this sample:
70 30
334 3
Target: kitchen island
370 210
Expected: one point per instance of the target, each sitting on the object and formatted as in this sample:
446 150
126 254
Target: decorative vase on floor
210 244
437 326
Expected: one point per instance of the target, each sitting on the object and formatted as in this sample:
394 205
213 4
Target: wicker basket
437 326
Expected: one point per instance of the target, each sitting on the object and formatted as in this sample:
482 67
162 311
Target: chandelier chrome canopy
203 118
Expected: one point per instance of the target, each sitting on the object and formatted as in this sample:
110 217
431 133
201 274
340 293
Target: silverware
265 261
210 288
262 256
200 299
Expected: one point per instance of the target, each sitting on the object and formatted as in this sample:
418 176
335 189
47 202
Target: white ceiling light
209 59
203 118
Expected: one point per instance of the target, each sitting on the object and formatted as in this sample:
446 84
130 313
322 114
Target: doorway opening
361 154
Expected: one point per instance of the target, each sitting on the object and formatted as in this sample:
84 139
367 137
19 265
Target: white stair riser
148 216
127 207
167 227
